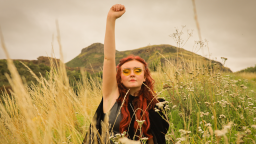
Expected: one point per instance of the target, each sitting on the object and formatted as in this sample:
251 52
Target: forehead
132 64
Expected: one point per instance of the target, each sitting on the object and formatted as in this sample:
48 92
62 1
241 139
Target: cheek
123 78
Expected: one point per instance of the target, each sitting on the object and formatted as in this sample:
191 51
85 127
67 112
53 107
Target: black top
158 126
114 118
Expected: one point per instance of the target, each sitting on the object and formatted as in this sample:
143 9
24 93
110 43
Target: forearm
109 42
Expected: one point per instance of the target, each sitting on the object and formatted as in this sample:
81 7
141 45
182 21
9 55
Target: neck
134 91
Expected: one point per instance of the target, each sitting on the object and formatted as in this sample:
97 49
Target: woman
128 94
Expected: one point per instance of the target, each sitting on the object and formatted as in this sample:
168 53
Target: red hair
145 98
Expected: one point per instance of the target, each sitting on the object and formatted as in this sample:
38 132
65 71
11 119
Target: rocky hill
91 57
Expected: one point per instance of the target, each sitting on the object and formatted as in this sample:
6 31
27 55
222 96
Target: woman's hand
116 11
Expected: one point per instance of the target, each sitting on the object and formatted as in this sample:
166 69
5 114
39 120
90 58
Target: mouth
132 80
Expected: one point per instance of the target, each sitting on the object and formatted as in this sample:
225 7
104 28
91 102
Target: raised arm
109 86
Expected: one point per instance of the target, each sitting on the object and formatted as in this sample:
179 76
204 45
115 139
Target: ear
144 80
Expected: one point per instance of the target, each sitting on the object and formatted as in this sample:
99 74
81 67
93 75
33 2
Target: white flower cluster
183 134
204 114
125 140
223 103
162 105
207 103
222 116
117 137
224 130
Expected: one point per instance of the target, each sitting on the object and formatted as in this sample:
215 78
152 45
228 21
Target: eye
137 70
126 71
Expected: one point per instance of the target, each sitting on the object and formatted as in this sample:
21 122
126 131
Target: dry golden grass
249 76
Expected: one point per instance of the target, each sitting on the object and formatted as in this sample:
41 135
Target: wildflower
208 124
220 132
201 114
167 107
157 110
199 129
140 122
248 131
125 140
253 126
174 106
206 134
160 105
180 140
212 117
123 134
117 135
168 137
184 132
222 116
207 103
239 106
224 130
228 126
166 86
144 140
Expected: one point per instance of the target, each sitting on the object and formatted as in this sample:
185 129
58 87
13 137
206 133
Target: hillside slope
40 66
91 57
248 70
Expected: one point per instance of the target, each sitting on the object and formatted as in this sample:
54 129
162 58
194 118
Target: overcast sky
229 26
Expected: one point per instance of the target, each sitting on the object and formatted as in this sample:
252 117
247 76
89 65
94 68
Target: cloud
28 26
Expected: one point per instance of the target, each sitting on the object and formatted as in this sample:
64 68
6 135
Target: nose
132 73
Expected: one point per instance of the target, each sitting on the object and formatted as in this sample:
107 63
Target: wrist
111 18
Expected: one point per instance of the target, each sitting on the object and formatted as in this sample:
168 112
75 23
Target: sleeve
158 126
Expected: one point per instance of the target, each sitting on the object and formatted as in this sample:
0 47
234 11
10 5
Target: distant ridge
92 57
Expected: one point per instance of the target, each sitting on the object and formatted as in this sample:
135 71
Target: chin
133 86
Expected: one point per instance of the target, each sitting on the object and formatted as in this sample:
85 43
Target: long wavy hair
145 99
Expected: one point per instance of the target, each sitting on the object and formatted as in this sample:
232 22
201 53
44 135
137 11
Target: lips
132 80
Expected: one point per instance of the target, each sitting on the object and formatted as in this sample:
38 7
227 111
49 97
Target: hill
40 66
91 57
248 70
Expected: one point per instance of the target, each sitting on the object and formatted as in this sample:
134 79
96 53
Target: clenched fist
116 11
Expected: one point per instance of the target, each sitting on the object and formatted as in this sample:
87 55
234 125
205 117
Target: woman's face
132 74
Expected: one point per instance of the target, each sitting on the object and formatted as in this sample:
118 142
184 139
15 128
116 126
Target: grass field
205 106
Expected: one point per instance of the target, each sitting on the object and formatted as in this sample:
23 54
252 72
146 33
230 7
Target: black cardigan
158 126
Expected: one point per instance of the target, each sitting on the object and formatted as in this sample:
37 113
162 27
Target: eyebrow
133 67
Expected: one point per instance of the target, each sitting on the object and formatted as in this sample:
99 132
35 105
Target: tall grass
205 105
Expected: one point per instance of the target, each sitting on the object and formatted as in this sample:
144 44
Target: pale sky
229 26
